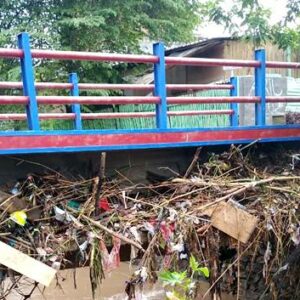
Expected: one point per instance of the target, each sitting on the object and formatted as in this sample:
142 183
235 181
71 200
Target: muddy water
112 287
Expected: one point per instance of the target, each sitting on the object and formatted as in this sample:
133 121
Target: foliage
194 265
180 285
119 26
94 25
91 25
173 278
249 19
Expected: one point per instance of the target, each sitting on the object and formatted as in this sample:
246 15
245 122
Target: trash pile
235 215
293 118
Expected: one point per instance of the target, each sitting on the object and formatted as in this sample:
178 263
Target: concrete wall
275 86
194 74
139 166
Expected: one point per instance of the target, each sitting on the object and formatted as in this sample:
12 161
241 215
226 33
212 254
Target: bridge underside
23 142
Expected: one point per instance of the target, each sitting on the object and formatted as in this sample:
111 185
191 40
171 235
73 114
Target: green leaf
194 265
165 276
204 271
172 278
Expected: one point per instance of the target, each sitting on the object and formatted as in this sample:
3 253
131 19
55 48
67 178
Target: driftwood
113 233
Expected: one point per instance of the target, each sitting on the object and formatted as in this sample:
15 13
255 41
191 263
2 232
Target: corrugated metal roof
186 50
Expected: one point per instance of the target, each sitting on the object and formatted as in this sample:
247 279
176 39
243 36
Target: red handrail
42 116
93 116
11 53
97 100
186 87
210 62
212 100
114 100
93 56
38 85
282 99
79 55
134 58
4 100
102 100
108 86
282 65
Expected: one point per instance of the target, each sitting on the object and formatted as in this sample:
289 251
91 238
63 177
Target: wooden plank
26 265
234 221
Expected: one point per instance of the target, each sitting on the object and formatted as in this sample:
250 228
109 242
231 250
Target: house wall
275 86
238 49
193 74
230 50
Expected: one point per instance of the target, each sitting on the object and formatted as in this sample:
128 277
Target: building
229 48
280 81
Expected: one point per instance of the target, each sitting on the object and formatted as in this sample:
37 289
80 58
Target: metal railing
31 100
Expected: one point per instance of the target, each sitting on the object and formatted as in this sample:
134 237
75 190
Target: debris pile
293 118
235 215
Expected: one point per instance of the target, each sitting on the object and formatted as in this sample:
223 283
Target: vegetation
183 285
119 26
90 25
93 25
251 20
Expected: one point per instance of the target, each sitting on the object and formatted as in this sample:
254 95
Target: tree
119 26
96 25
286 32
91 25
250 20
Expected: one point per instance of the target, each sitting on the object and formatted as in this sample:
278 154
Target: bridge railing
31 100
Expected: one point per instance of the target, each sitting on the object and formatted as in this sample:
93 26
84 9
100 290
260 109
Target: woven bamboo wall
239 49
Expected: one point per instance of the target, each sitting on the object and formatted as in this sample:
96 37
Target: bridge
36 140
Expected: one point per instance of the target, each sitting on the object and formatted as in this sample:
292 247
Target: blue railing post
75 107
234 118
260 87
28 82
160 86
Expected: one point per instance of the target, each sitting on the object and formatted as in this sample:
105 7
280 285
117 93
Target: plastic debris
74 204
62 216
111 260
19 217
103 204
135 233
16 189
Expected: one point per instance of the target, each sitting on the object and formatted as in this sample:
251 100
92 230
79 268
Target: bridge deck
66 141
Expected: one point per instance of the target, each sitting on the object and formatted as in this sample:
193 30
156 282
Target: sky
277 8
